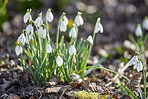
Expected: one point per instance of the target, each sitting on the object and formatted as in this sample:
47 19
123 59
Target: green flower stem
109 71
135 97
48 36
144 72
37 34
58 28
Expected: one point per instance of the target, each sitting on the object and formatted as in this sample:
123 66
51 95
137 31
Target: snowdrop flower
79 20
21 39
131 62
18 50
138 30
38 20
49 48
145 23
98 26
65 20
137 64
73 32
49 16
72 50
29 28
42 32
59 61
27 16
63 24
90 39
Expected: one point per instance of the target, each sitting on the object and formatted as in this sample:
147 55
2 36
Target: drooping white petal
138 30
90 39
145 23
79 20
49 48
38 20
72 50
132 60
65 20
73 32
63 26
29 28
97 29
26 17
22 39
101 28
139 66
59 61
18 50
49 16
42 32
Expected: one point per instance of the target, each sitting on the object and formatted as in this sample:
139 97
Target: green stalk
37 34
109 71
144 72
58 28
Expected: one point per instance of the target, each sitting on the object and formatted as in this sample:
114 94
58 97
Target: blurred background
118 17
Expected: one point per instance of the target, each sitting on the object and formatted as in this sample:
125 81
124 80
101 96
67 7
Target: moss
90 95
86 95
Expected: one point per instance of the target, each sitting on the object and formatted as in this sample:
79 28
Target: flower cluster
35 42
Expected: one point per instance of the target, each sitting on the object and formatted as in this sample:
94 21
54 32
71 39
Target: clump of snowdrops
62 60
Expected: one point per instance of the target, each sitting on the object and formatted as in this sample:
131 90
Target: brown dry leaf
23 78
13 96
135 81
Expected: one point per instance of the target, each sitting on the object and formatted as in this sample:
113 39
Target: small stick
114 92
116 76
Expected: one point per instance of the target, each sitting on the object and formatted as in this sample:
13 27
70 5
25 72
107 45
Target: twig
116 76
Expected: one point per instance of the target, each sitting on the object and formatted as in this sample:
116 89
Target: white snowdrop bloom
72 50
49 16
27 16
131 62
145 23
29 28
63 26
138 30
21 39
98 26
90 39
59 61
38 20
79 20
72 32
139 66
65 20
42 32
49 48
18 50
